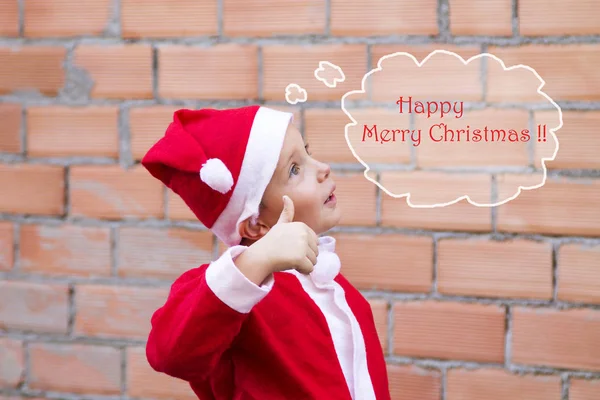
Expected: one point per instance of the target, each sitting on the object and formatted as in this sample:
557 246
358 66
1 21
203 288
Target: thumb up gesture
289 244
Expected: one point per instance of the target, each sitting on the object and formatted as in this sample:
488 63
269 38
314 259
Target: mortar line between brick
71 310
16 247
67 192
155 67
124 371
494 199
21 7
115 27
327 17
484 72
434 260
166 208
515 18
507 337
125 155
443 19
302 117
531 143
501 41
114 251
260 64
347 229
555 271
25 375
220 18
390 328
565 386
378 200
443 383
23 130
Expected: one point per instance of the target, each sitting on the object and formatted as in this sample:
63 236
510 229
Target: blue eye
292 169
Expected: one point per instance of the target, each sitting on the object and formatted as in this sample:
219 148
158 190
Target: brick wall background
471 303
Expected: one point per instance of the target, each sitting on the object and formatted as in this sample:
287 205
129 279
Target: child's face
306 181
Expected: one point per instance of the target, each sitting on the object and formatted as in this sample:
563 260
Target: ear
253 229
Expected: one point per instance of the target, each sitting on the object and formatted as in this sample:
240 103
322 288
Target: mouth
331 199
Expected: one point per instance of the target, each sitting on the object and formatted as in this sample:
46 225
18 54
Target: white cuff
231 286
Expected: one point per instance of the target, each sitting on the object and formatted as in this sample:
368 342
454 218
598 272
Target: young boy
272 317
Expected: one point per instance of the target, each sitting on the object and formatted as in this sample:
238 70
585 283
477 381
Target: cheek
307 202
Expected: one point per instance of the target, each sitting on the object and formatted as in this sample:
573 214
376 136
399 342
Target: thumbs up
287 214
288 244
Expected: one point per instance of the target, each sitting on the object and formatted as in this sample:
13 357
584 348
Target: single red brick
224 71
65 250
514 269
498 384
10 130
162 253
9 18
413 274
408 382
554 64
110 192
584 389
562 206
453 331
33 307
58 131
54 366
12 363
558 18
556 338
577 138
578 277
380 17
144 382
169 18
32 68
427 188
119 72
267 18
481 17
34 189
116 311
66 17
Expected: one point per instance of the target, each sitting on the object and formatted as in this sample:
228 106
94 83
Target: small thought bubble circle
330 74
295 94
435 132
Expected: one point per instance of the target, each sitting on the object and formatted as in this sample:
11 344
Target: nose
324 171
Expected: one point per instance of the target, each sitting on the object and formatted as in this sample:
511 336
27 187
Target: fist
289 244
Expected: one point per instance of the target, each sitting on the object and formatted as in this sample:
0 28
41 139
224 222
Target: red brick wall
471 303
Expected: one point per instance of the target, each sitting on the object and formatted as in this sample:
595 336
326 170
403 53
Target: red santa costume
296 337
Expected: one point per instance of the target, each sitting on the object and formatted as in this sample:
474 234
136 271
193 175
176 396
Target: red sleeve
201 317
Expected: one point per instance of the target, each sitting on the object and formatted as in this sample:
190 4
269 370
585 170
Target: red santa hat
220 162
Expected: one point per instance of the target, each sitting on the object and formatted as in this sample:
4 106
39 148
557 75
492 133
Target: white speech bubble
467 197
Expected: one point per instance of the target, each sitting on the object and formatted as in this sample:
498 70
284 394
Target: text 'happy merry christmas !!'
441 132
